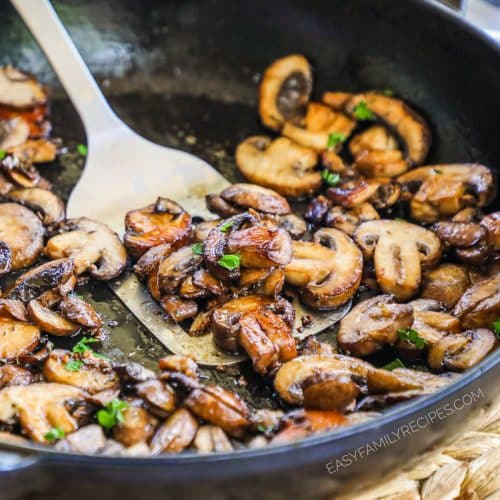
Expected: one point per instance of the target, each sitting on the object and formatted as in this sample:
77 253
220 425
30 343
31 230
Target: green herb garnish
230 261
81 149
413 337
197 248
3 154
226 226
496 328
363 112
82 346
397 363
388 92
73 365
331 178
112 414
54 434
334 139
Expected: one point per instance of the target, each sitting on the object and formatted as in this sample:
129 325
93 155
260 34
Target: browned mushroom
284 91
5 258
13 309
17 338
40 407
35 150
22 231
176 267
50 321
178 309
279 164
210 439
442 190
13 132
22 173
446 284
348 220
137 426
93 247
460 351
398 116
89 439
15 375
150 261
41 201
399 251
178 363
20 90
373 323
329 391
327 270
164 221
175 434
491 223
479 306
160 398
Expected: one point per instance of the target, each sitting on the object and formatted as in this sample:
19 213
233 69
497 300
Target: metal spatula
125 171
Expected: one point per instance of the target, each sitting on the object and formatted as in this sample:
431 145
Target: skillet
178 69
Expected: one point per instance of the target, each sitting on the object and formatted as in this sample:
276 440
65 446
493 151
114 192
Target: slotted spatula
125 171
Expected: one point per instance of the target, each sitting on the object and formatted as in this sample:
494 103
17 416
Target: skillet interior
178 69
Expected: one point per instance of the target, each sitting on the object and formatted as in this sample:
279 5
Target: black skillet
186 68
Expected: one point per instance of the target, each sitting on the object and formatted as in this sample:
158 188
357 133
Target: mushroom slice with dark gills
446 284
87 371
399 251
284 91
327 270
479 306
320 121
41 201
13 132
20 90
324 382
40 407
5 258
279 164
17 338
22 173
460 351
159 397
93 246
164 221
151 260
176 267
399 117
137 426
348 220
178 309
22 231
372 324
443 190
35 150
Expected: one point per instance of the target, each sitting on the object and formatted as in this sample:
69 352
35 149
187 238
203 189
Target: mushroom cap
327 270
17 338
20 90
284 90
175 434
443 190
93 246
13 133
35 150
372 324
137 426
22 231
50 321
41 201
329 391
176 267
446 284
279 164
491 223
399 117
399 250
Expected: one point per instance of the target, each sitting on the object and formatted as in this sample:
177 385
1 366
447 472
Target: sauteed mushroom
17 338
137 426
210 438
399 250
15 375
160 398
491 223
327 270
93 247
446 284
41 201
19 90
348 220
176 267
13 132
5 258
175 434
34 150
284 91
279 164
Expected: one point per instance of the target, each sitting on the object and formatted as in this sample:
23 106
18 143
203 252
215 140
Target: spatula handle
79 84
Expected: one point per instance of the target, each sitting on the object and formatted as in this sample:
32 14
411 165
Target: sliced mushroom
443 190
291 376
36 281
13 309
94 374
17 338
294 225
93 247
5 258
137 426
160 397
133 373
162 222
23 173
319 122
329 391
151 260
50 321
176 267
78 311
210 439
13 133
87 440
40 407
22 231
202 229
398 116
41 201
177 363
399 251
20 90
348 220
327 270
446 284
372 324
35 150
279 164
178 309
15 375
479 306
491 223
284 91
175 434
317 209
336 100
460 351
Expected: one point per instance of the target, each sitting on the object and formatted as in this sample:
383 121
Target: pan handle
79 84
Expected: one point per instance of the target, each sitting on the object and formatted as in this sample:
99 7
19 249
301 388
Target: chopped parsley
413 337
74 365
82 346
197 248
334 139
81 149
397 363
363 112
112 414
230 261
331 178
496 328
226 226
3 154
388 92
54 434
